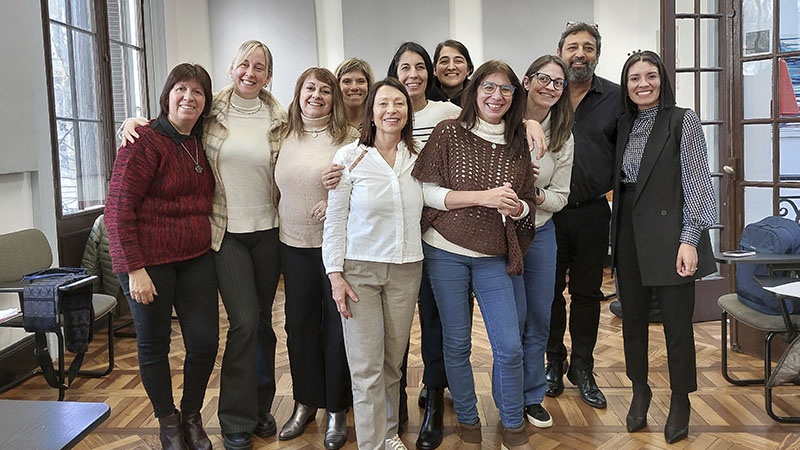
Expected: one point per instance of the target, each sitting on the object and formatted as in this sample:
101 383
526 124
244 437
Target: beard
581 74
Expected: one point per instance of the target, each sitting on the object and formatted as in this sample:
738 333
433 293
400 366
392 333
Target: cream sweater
555 173
297 174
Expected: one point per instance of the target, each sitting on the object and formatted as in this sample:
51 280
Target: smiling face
451 68
412 73
186 102
251 75
390 110
580 53
316 98
544 96
492 107
354 86
644 84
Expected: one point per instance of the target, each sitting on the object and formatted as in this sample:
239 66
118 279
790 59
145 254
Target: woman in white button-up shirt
372 250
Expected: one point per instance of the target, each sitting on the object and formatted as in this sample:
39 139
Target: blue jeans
539 279
451 276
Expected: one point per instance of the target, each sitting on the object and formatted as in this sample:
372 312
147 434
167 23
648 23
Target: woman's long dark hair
666 98
515 131
561 114
368 129
431 91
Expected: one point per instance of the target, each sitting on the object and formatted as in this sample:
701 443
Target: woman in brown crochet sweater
478 242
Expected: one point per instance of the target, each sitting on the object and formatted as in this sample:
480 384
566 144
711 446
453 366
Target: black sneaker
538 416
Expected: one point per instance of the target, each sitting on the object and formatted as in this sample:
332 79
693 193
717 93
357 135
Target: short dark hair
666 98
368 129
461 48
184 72
431 91
577 28
515 131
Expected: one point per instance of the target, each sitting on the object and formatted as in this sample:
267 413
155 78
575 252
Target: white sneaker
395 443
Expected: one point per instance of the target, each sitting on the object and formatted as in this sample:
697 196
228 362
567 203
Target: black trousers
248 270
317 359
582 239
677 306
189 286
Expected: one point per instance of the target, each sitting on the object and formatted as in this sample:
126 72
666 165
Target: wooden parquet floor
723 416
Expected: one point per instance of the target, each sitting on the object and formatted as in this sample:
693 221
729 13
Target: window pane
127 82
789 203
124 17
709 96
66 165
709 43
85 75
57 10
684 90
757 204
684 43
708 6
789 86
684 6
758 152
82 14
62 75
790 151
757 84
790 26
712 142
756 27
91 178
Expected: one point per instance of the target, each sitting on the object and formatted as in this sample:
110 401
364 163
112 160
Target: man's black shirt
595 134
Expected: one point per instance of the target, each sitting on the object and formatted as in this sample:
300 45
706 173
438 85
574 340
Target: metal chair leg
725 374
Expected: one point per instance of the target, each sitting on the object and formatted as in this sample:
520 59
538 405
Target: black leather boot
677 427
195 435
431 432
171 432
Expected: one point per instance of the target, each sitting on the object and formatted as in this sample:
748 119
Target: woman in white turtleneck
241 138
317 127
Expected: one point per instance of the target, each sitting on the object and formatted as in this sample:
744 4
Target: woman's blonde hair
338 126
244 51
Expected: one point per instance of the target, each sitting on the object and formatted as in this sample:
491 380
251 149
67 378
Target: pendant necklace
195 159
314 133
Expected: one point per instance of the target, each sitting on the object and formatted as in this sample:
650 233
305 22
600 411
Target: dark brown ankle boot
196 437
171 433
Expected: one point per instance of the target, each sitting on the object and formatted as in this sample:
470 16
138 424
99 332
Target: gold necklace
195 159
314 133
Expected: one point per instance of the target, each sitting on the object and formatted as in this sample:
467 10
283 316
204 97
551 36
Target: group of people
440 186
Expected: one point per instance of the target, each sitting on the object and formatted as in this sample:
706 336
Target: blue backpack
769 235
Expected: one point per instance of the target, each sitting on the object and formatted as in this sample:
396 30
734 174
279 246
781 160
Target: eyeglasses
572 24
506 90
544 79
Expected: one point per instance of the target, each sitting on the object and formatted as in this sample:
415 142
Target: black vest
658 202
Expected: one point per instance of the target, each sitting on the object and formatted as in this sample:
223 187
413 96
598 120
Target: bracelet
520 210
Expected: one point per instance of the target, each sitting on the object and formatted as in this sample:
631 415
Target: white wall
188 33
625 26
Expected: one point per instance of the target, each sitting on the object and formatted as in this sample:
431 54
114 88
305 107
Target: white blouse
374 213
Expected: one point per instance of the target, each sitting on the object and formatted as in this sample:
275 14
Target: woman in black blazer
664 203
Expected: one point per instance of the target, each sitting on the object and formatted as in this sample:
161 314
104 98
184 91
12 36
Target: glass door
695 48
766 60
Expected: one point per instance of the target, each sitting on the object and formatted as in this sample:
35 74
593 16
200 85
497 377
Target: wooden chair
785 324
27 251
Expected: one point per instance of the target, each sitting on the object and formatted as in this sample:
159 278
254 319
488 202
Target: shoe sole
266 433
229 446
538 423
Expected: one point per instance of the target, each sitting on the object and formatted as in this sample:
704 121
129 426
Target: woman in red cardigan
157 213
